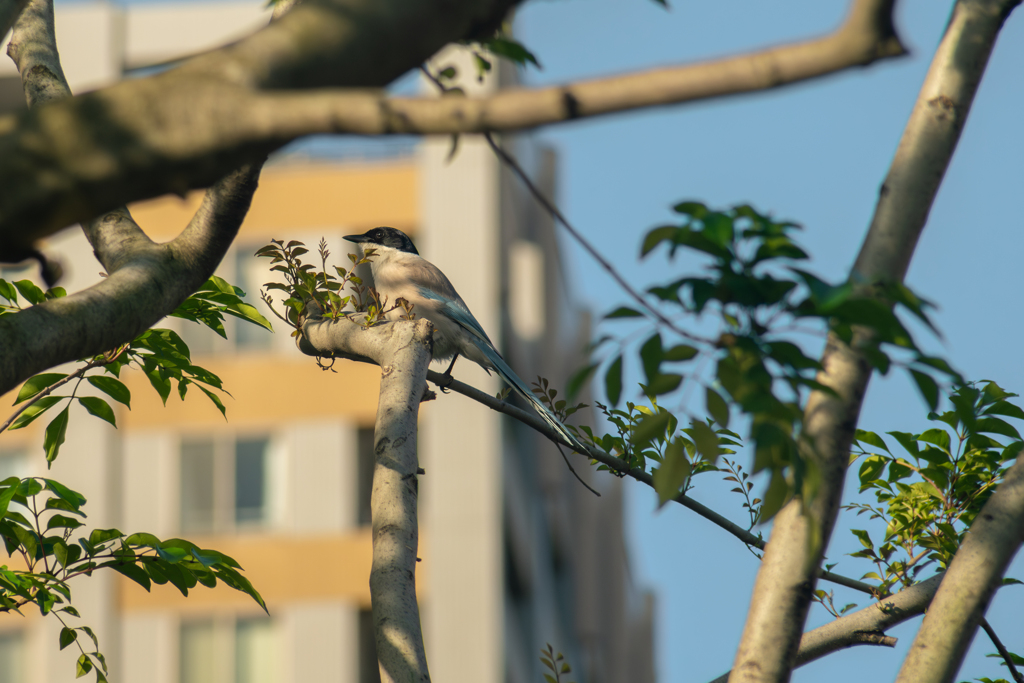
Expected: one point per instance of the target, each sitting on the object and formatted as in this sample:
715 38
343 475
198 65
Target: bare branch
783 590
866 626
403 351
10 10
33 48
188 127
971 580
1017 676
393 502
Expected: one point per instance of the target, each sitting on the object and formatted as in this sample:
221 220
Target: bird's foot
445 383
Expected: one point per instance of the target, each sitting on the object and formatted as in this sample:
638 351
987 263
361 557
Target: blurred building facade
516 553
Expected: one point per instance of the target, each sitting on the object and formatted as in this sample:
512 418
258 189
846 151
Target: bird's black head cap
385 237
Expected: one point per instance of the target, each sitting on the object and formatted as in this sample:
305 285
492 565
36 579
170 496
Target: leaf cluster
161 354
651 439
930 491
47 531
762 303
306 285
555 663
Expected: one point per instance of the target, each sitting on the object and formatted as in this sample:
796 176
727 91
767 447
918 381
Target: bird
400 272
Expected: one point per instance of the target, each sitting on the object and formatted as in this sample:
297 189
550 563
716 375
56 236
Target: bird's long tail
512 379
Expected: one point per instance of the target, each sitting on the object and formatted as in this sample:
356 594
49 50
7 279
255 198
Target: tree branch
10 10
348 339
146 281
187 127
785 581
866 626
33 48
971 580
1003 652
403 351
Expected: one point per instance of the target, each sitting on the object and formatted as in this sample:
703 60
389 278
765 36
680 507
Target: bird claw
445 383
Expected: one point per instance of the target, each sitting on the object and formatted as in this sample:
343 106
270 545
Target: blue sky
815 153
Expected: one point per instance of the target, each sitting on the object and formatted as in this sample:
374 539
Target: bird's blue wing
457 311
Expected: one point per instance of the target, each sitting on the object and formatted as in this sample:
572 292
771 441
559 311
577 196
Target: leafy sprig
762 302
305 284
161 354
930 491
48 532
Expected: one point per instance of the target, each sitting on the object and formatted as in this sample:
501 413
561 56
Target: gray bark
188 127
972 578
801 530
403 351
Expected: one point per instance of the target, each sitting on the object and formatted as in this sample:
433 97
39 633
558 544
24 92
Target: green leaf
774 497
36 384
8 291
871 468
30 291
113 388
865 539
576 382
706 441
249 313
98 407
623 312
680 352
665 233
35 410
672 474
157 378
664 383
928 388
83 666
74 498
216 400
649 428
132 571
55 433
613 381
651 355
871 439
512 50
67 636
717 407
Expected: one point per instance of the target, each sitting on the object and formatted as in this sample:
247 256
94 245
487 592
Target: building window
224 484
12 657
228 649
366 459
369 670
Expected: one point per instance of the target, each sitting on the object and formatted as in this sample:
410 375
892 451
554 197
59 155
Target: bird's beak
358 239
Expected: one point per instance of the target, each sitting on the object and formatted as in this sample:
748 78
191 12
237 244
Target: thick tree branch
188 127
785 581
971 580
146 281
866 626
33 48
403 351
10 10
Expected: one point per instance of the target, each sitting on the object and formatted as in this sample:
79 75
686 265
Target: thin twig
569 465
557 214
102 360
1003 652
550 207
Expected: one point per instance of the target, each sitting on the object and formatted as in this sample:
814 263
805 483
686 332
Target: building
516 554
